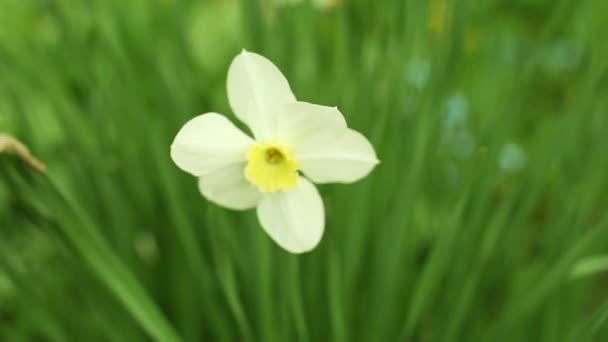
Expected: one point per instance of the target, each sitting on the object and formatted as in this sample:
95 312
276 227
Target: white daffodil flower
295 143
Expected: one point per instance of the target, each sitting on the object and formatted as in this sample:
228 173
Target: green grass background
487 219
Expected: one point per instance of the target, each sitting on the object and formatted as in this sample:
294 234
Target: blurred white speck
563 55
417 72
512 158
456 133
456 111
146 247
326 4
283 3
462 144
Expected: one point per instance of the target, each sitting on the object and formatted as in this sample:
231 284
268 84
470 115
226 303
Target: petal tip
300 251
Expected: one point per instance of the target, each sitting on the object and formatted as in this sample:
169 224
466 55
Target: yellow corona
271 167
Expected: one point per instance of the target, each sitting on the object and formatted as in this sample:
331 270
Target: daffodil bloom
294 143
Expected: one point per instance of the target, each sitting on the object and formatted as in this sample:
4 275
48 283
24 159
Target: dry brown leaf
8 144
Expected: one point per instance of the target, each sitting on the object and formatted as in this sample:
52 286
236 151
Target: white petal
346 159
305 126
256 91
294 219
207 143
229 188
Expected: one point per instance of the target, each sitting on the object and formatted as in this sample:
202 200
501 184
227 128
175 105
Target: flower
417 72
295 143
438 16
512 157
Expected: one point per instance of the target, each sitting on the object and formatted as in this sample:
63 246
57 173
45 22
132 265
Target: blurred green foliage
486 221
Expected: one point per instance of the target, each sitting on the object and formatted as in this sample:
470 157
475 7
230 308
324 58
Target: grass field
487 219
